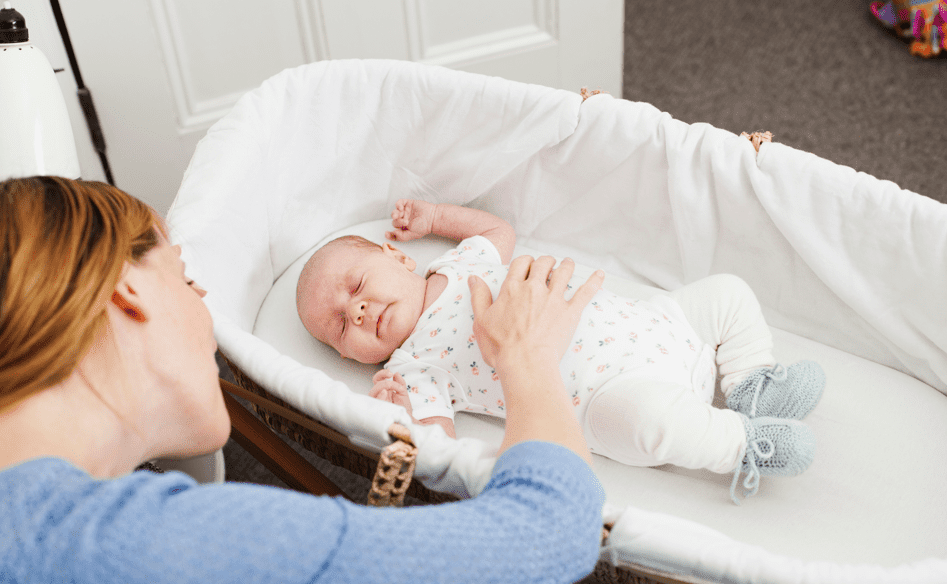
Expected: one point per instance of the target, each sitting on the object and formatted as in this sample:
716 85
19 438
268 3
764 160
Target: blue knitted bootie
774 447
779 392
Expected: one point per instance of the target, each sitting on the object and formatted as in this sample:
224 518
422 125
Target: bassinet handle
395 469
757 138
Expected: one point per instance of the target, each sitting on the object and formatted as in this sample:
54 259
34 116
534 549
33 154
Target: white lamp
35 133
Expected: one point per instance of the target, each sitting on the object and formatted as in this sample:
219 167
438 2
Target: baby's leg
650 423
725 313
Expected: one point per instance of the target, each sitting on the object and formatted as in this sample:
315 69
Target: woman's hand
412 219
523 334
391 387
530 316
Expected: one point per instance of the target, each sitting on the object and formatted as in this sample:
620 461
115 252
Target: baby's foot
774 447
779 392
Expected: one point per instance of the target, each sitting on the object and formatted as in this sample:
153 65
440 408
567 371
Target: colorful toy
923 23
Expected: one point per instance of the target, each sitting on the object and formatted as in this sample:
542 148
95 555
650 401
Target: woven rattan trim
334 447
394 474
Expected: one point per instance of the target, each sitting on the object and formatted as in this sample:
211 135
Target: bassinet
851 272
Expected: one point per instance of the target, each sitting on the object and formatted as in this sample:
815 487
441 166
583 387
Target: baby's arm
413 218
391 387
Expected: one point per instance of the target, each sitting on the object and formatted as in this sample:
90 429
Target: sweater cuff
549 458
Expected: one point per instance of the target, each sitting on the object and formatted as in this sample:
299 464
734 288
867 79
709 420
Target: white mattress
867 498
850 271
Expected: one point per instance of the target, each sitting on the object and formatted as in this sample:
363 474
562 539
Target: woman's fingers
534 317
543 270
480 296
540 269
519 268
559 278
586 291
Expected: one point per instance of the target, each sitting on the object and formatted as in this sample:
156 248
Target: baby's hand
411 219
391 387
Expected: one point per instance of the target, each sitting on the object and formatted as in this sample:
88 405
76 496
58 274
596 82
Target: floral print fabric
444 371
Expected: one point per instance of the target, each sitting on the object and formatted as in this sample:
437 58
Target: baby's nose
357 313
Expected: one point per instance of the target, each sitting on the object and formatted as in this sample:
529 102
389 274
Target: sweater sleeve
538 520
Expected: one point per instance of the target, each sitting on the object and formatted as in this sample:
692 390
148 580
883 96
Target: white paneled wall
163 71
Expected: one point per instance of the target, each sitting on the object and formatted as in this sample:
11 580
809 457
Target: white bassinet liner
862 483
835 256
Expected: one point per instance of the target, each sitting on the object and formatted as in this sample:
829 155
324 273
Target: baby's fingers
399 397
382 374
401 211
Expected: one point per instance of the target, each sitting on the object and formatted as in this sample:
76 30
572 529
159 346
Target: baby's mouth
378 322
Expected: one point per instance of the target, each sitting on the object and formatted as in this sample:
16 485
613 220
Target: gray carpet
820 75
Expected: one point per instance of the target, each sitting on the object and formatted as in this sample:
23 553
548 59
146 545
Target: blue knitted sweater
538 520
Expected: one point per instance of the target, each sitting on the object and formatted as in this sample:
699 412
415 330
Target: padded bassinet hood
834 255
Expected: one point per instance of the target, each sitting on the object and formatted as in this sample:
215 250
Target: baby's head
360 298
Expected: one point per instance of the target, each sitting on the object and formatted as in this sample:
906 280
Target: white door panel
212 61
366 29
163 71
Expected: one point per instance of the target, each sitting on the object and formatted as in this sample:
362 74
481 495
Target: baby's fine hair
356 241
353 241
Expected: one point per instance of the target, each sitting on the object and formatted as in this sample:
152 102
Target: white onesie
639 339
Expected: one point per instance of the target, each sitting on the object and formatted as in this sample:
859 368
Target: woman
108 361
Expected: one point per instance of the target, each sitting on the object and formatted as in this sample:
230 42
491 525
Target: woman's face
180 354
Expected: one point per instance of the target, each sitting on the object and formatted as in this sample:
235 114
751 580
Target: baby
641 372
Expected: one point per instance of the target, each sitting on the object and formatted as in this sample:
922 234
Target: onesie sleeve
471 251
429 386
538 520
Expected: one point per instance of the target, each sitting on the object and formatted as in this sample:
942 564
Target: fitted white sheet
835 256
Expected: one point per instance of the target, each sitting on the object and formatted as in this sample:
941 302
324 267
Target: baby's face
363 303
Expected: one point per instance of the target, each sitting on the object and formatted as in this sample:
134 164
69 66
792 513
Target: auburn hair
63 247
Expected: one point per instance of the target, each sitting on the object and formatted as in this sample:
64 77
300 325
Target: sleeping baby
641 372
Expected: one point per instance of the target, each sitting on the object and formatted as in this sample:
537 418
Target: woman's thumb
480 296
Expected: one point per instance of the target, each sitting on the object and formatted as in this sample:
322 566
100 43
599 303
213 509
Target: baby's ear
400 256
